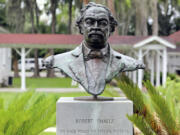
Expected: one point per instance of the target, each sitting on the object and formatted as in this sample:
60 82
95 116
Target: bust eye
103 23
89 21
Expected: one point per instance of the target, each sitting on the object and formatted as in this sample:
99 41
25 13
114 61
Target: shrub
27 114
155 112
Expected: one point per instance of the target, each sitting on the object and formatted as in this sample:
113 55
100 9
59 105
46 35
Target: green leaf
162 109
141 123
28 113
132 92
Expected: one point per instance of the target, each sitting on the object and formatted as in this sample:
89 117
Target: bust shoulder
122 57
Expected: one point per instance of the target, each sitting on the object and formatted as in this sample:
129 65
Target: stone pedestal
94 117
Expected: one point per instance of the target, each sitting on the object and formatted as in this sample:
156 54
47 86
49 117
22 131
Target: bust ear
110 31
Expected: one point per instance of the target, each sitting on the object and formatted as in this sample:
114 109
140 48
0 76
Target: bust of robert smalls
94 63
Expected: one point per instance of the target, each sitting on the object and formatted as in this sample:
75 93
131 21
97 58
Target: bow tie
94 55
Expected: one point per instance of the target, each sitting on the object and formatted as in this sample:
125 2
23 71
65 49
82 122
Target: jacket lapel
78 68
114 66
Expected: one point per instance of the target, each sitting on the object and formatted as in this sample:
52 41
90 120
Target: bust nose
95 26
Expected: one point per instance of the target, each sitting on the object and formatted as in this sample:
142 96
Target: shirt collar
87 50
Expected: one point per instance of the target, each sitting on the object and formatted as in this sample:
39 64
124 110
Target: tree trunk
101 2
15 66
141 17
126 27
36 64
154 17
37 11
85 2
98 1
70 17
53 12
36 68
112 9
32 19
16 19
15 15
36 56
54 4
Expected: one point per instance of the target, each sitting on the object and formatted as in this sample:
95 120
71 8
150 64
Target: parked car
30 64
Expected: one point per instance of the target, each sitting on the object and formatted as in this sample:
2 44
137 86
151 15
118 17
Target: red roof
37 40
125 40
175 37
60 39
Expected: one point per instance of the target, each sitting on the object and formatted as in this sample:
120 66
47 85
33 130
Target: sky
41 4
44 17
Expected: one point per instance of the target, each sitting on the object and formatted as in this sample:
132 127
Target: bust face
95 27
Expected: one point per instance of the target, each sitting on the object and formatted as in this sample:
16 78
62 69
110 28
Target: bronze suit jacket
72 63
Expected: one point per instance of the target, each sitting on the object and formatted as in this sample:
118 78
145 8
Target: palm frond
132 92
28 114
141 123
162 109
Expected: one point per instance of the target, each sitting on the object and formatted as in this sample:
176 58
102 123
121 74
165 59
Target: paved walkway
61 90
11 90
42 74
56 90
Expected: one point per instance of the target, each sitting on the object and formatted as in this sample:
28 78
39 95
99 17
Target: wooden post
134 77
23 72
152 68
157 69
164 66
4 56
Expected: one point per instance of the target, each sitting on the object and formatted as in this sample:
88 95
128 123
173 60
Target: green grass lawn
44 83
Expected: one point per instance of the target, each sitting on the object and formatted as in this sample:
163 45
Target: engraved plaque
94 117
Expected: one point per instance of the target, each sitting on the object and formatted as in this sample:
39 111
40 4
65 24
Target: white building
5 66
5 62
158 53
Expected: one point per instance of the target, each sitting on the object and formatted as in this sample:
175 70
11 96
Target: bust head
96 24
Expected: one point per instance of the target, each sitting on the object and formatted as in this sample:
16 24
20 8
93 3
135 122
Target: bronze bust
94 63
